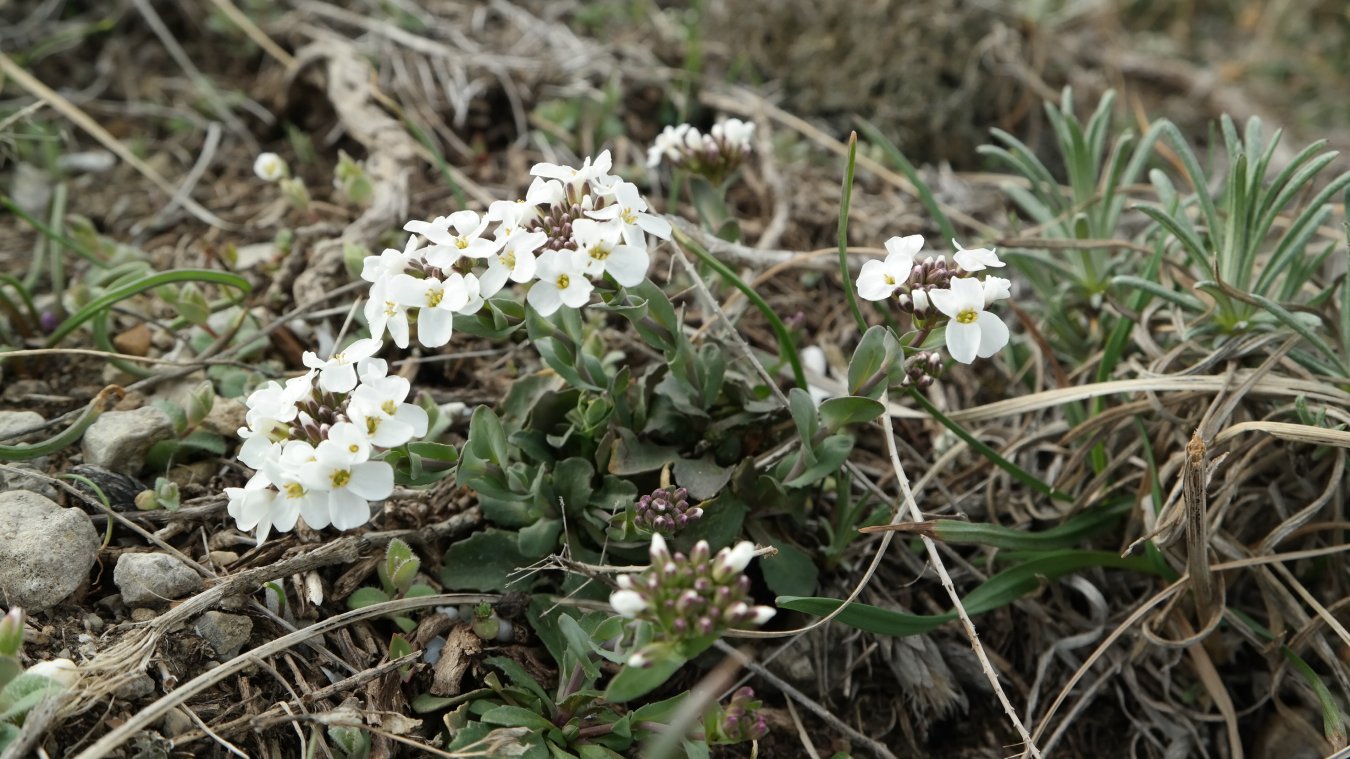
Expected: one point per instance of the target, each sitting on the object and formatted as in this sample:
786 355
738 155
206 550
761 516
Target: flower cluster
936 292
713 156
574 226
665 511
741 720
315 443
691 597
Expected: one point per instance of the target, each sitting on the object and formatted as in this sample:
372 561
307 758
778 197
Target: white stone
46 550
119 440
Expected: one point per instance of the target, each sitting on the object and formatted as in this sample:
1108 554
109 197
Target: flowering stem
845 200
780 330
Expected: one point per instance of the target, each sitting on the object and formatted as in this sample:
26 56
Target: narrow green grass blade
1064 535
52 234
785 342
898 158
998 591
845 202
149 283
1018 473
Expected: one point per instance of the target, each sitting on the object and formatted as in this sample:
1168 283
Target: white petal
628 265
544 298
993 334
963 340
348 509
434 326
872 283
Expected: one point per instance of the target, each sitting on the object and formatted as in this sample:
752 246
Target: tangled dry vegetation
1178 584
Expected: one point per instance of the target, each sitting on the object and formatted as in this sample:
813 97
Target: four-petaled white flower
377 408
437 301
338 373
630 209
341 468
878 280
459 234
384 314
599 252
595 173
995 288
975 259
390 263
562 282
514 262
971 331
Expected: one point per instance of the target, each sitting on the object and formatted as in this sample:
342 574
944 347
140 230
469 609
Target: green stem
845 200
149 283
52 234
780 330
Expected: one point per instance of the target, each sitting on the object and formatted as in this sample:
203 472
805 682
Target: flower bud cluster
713 156
921 369
315 443
574 226
742 719
940 294
665 511
691 597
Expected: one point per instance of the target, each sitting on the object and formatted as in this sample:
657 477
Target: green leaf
483 561
632 682
519 676
791 572
720 524
633 455
803 411
870 362
539 539
515 716
702 477
363 597
840 412
572 484
579 644
400 567
830 456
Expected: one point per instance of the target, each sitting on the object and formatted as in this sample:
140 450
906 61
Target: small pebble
143 614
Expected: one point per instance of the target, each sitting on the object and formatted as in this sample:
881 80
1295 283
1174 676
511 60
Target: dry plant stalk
1197 534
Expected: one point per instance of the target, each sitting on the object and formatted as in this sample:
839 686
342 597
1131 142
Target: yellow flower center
968 316
461 243
563 281
354 448
390 308
509 259
389 407
888 279
295 490
600 251
372 424
341 477
629 217
434 297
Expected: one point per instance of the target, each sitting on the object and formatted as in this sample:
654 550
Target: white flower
437 300
251 507
628 603
270 167
734 133
596 173
515 262
338 374
732 561
347 477
995 288
878 280
630 209
294 498
465 240
599 252
668 144
384 314
545 192
390 263
972 331
378 409
975 259
562 282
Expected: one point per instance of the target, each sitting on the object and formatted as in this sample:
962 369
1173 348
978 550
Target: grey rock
119 440
46 550
12 422
139 686
34 483
226 633
152 579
